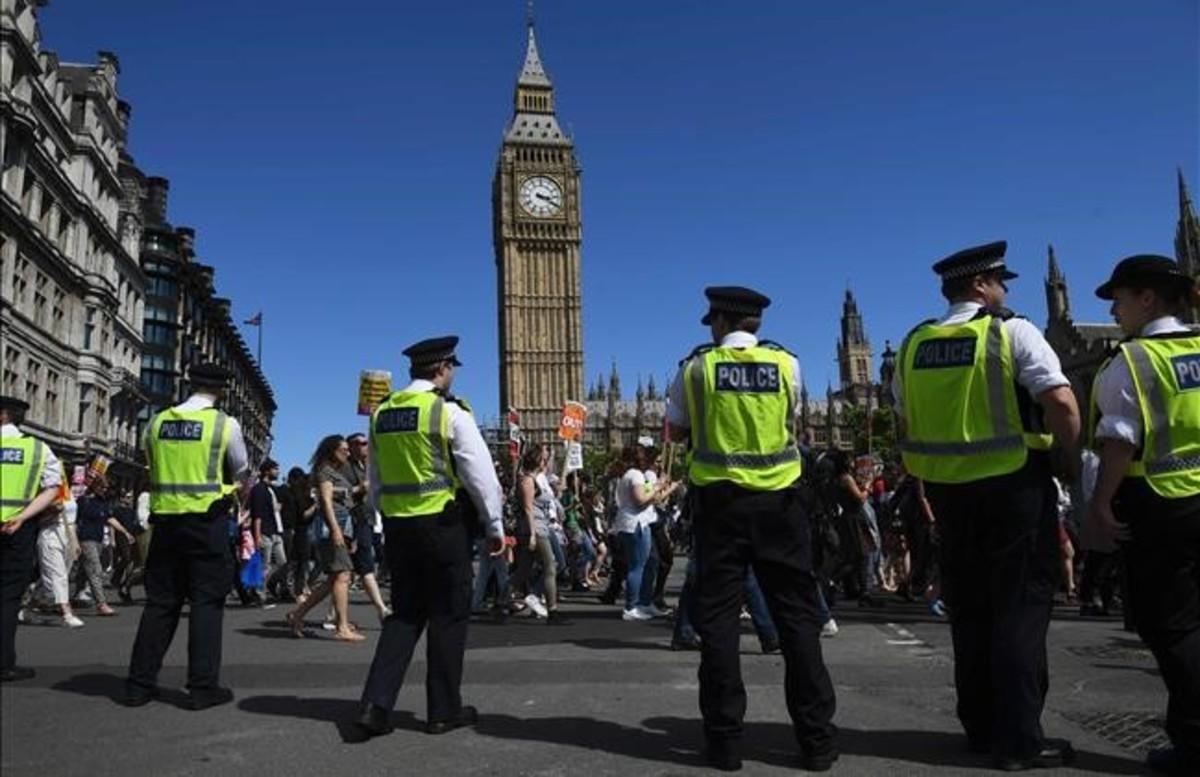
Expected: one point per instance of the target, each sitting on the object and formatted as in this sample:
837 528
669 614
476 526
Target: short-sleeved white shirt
1116 397
629 515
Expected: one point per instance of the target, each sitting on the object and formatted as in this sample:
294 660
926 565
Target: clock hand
551 200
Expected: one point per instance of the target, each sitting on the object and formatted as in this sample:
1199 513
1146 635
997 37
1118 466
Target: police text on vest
12 456
1187 371
757 377
397 419
181 430
945 352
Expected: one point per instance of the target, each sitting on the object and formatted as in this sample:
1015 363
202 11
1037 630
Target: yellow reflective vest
186 451
22 462
961 412
741 404
1166 376
411 443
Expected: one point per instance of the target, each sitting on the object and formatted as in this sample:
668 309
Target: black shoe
580 588
724 755
499 614
683 644
16 674
126 597
374 720
468 716
138 695
606 599
867 600
1173 761
770 645
203 698
1054 754
1093 610
556 618
819 762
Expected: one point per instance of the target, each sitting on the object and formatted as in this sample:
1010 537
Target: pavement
597 697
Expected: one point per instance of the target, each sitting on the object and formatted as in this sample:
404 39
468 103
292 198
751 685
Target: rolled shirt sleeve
52 474
1116 398
235 455
1038 367
677 414
476 470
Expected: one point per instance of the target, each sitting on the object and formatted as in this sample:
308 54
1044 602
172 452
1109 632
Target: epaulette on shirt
458 401
1004 314
776 347
699 349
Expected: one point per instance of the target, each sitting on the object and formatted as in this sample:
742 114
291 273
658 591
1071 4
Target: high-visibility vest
411 443
22 462
186 450
741 404
1166 376
961 412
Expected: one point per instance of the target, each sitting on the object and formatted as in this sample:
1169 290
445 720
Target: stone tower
537 235
854 352
1187 242
1058 304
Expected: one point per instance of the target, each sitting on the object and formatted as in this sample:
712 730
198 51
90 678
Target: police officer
735 402
982 397
29 479
198 472
433 480
1146 419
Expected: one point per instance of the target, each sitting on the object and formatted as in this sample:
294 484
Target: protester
267 527
637 492
334 536
299 508
58 548
362 516
94 516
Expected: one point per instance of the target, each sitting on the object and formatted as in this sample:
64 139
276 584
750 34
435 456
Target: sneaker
636 614
556 618
745 614
23 616
71 621
535 604
654 611
830 629
937 607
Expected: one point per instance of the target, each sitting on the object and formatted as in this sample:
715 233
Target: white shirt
1037 365
235 455
677 412
631 515
473 463
1116 397
52 472
143 509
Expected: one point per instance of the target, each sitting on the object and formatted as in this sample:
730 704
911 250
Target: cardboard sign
99 466
574 416
374 386
574 456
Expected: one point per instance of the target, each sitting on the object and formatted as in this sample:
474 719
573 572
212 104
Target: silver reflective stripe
696 371
748 460
436 441
31 482
13 502
1172 464
962 448
791 410
1157 430
214 455
995 378
186 488
437 484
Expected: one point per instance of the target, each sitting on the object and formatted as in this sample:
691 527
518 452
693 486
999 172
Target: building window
12 360
85 408
53 383
33 383
89 328
58 315
155 333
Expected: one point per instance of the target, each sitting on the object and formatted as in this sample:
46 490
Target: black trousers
666 556
618 569
17 552
767 530
1163 565
429 558
999 560
188 561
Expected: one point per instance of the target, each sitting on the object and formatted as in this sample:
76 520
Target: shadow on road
340 712
112 687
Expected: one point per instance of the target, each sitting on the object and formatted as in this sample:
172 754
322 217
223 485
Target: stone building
1082 347
186 322
537 233
71 290
615 422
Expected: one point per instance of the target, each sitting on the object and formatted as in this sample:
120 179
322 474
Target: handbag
251 573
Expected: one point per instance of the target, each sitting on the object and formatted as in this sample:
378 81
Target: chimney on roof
156 199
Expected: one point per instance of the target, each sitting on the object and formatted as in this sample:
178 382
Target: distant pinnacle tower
854 350
1058 304
537 235
1187 241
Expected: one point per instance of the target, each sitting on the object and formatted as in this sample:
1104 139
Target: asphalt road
600 696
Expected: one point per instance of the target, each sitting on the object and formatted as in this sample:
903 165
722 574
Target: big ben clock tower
537 235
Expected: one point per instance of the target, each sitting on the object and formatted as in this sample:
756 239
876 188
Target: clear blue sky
336 161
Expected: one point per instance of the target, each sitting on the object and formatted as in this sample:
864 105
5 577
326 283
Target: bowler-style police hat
987 259
1144 270
432 351
13 404
208 375
734 300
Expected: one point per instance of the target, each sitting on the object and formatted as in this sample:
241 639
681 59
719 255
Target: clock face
541 196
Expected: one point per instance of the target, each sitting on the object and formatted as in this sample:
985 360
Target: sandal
349 636
295 624
107 612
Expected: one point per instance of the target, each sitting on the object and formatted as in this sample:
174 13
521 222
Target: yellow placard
374 386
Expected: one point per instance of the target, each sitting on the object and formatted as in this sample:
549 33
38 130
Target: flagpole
260 328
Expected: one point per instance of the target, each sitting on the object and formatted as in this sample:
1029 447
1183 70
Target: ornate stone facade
71 290
1083 347
537 233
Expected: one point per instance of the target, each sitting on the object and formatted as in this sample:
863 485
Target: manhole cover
1111 652
1139 732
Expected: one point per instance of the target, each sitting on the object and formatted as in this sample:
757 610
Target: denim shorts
364 551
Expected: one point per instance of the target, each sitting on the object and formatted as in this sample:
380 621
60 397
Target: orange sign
574 416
